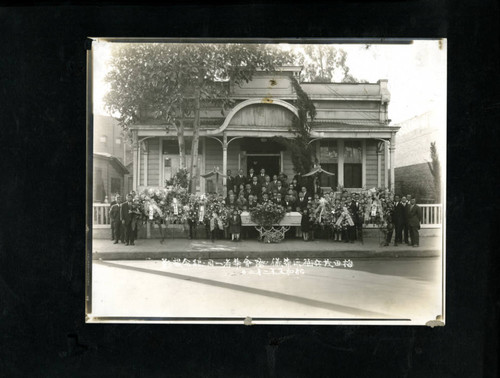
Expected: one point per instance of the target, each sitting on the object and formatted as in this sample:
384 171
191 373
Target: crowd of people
336 215
124 218
339 215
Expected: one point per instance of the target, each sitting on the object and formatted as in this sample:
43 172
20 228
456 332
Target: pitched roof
113 160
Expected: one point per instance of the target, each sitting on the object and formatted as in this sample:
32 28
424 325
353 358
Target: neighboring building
413 175
111 154
109 177
348 133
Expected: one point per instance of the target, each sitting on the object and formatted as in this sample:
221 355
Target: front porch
357 161
350 135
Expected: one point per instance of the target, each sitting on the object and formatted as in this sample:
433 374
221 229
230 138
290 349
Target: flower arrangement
334 210
180 179
151 203
215 204
193 210
266 214
176 205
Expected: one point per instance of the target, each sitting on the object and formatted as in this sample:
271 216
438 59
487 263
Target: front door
271 163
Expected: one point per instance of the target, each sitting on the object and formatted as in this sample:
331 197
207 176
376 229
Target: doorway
271 163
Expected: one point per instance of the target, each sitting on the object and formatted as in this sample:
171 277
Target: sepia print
293 182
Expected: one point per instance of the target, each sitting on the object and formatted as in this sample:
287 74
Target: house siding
287 164
153 161
104 172
213 155
344 112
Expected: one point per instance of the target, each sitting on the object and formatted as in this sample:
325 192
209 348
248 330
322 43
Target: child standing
215 224
337 229
235 226
305 224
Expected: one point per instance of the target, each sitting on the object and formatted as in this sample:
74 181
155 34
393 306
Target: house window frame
363 162
341 160
318 153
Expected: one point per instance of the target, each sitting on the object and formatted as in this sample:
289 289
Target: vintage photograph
293 182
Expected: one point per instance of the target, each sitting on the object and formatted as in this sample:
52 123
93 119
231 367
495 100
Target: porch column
379 163
224 161
202 168
363 163
393 153
138 164
340 163
145 163
135 160
386 165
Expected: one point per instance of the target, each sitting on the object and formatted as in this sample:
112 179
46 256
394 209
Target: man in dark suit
251 174
406 228
355 208
267 183
248 191
281 189
414 219
239 180
128 216
274 183
293 193
256 187
398 218
111 207
283 178
114 216
302 201
279 200
230 182
290 202
262 176
260 196
305 192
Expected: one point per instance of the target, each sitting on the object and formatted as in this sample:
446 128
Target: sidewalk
222 249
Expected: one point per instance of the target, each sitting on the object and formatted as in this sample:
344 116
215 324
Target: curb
217 255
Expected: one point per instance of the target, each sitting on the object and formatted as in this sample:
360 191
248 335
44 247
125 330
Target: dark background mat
42 191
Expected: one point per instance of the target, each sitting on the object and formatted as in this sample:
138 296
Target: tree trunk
182 145
195 142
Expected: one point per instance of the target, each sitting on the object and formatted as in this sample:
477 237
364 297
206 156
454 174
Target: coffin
290 219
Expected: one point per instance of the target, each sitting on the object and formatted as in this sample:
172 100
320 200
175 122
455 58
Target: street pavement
220 249
408 289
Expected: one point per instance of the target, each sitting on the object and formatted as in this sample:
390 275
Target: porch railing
432 215
100 215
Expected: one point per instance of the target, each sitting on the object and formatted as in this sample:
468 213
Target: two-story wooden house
351 134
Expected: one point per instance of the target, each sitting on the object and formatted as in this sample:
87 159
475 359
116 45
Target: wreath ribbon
344 216
176 206
202 213
153 207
